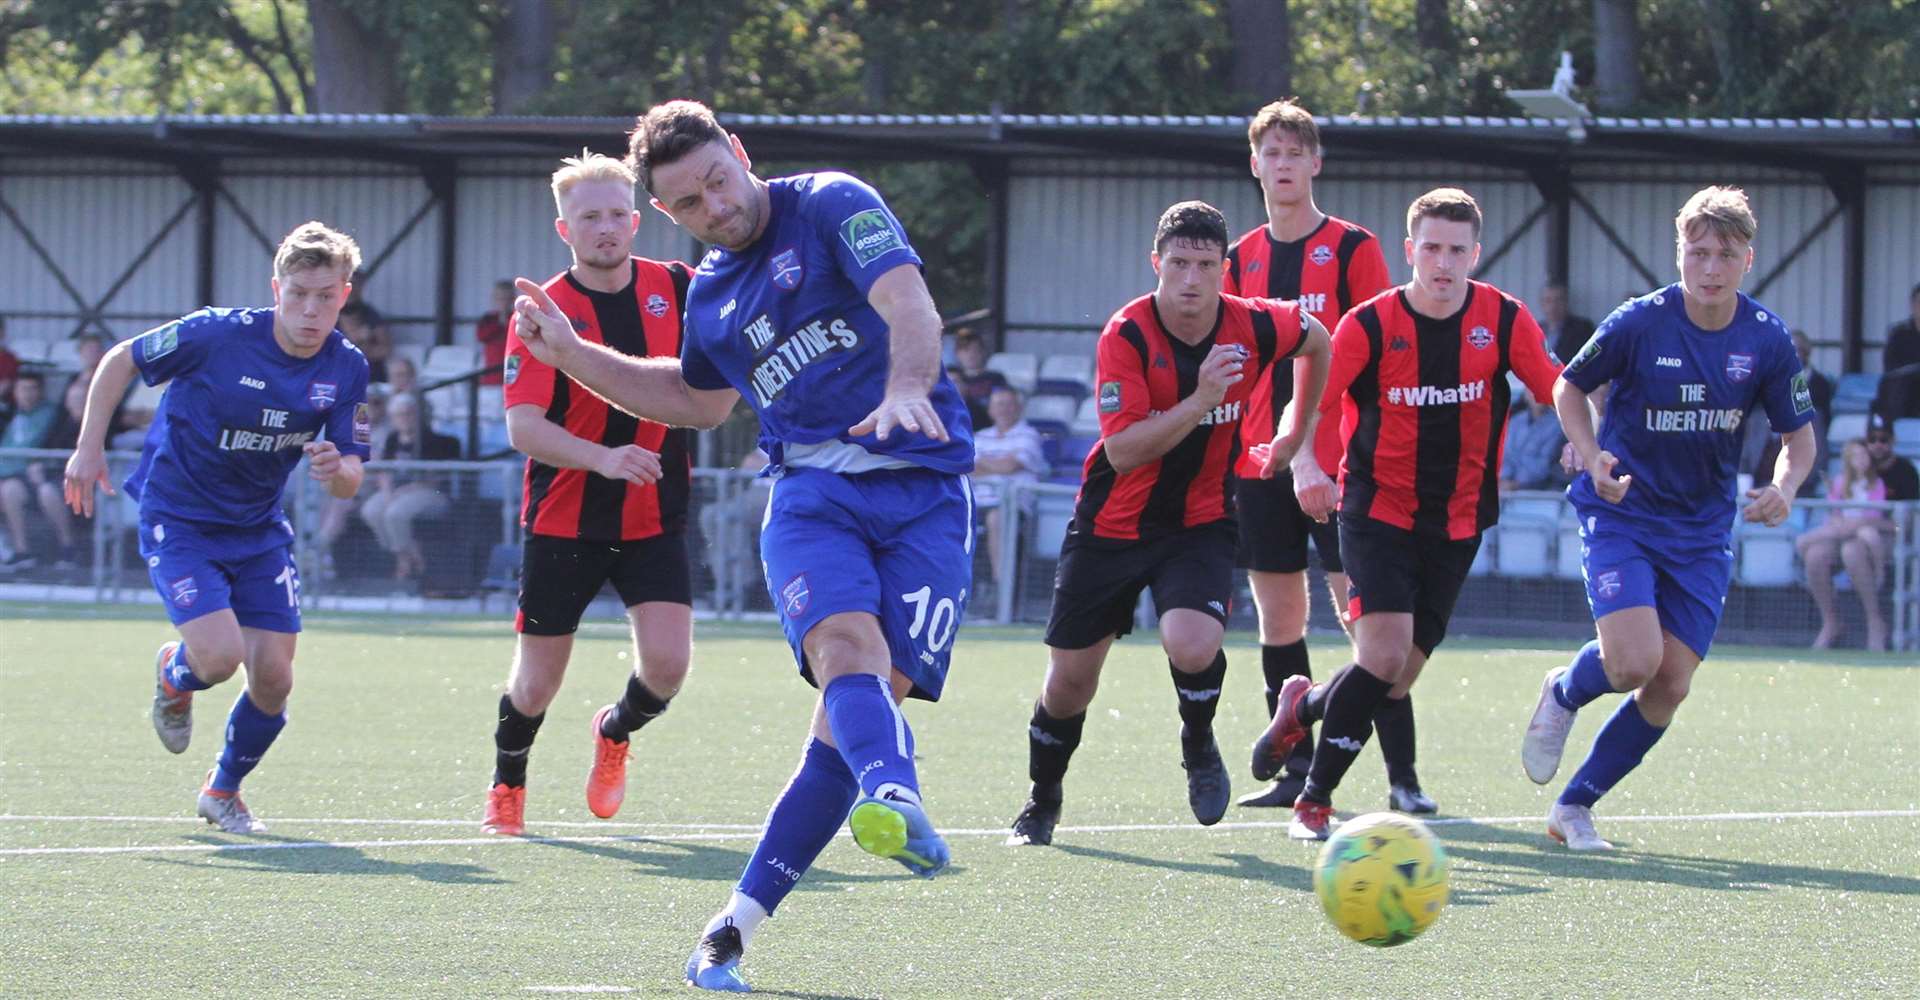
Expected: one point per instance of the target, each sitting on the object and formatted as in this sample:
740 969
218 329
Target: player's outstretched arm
1773 502
901 298
1146 440
88 463
649 388
533 435
340 474
1297 423
1576 421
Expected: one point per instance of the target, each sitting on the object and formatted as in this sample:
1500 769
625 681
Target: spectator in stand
88 349
1859 542
45 477
402 497
1903 338
402 376
491 332
1006 451
9 369
32 426
1822 388
1566 334
364 327
1534 443
971 375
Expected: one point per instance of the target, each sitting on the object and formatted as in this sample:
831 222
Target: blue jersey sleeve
350 422
851 217
696 367
1609 351
1785 391
167 352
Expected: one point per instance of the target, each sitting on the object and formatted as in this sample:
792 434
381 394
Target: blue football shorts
1683 578
895 543
198 570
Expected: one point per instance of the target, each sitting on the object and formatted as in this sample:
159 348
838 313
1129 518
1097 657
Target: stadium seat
1052 408
1069 374
448 360
1846 427
1022 371
1525 546
1566 563
1906 437
1855 386
1087 419
1051 512
1766 557
1483 559
1074 449
36 352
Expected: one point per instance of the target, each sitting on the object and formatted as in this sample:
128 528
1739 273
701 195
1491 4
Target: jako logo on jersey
184 590
322 394
1313 302
251 382
1321 254
869 234
786 269
727 310
1739 367
793 596
801 348
1662 361
1433 395
1607 584
656 305
1480 337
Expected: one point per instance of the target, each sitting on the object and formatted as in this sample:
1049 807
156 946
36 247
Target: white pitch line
578 989
737 832
563 824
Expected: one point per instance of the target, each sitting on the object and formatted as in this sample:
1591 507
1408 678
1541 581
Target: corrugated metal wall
94 219
1078 239
1077 246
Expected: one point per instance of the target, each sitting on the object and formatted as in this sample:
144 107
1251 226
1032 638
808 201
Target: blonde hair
314 245
1451 204
1288 116
1847 477
588 166
1721 211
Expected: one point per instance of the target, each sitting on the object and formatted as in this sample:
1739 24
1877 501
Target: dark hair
1193 221
668 132
30 375
1451 204
1915 294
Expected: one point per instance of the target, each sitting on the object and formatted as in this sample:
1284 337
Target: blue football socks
804 819
1619 748
1584 680
179 674
249 733
872 735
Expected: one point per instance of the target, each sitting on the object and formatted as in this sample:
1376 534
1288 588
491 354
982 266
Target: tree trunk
522 55
355 68
1616 67
1433 26
1262 66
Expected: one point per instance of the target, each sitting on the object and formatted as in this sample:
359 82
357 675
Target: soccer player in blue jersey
250 392
811 305
1685 366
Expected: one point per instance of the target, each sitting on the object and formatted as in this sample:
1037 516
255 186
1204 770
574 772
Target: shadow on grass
1507 851
1237 865
296 856
655 858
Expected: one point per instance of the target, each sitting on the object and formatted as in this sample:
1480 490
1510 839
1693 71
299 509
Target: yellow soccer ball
1382 878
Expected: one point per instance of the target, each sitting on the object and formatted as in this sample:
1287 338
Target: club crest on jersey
1480 337
656 305
1739 367
322 394
1321 254
1253 267
786 269
1607 585
793 596
579 325
183 591
1399 344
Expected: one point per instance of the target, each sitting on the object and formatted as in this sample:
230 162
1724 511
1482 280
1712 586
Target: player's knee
664 671
835 649
1191 655
215 662
1667 690
269 690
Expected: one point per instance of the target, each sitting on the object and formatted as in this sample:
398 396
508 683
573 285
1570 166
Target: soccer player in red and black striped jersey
1328 266
1420 373
605 497
1174 373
